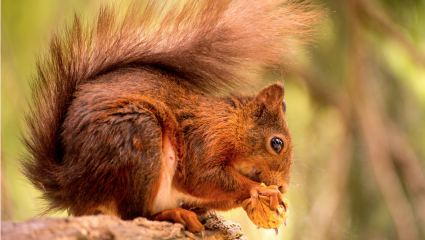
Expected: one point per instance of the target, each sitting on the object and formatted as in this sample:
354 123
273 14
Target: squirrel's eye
276 144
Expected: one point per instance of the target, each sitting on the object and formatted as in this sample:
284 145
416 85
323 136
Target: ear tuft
271 96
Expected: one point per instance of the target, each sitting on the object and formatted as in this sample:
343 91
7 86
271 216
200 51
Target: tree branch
108 228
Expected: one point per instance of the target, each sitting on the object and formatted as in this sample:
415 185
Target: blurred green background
356 108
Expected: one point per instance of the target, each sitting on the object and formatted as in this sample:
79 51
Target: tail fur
211 44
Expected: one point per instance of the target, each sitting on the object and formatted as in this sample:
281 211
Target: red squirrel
126 120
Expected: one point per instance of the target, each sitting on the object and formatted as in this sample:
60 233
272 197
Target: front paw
272 191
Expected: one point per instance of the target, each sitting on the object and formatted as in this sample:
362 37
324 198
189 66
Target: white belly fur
168 197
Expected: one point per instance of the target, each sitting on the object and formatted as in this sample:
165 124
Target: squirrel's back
208 45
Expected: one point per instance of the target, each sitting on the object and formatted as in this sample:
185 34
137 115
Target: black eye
276 144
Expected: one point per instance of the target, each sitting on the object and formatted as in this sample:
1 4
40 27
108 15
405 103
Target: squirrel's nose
283 188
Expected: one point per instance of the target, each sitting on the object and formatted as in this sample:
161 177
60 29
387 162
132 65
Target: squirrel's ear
272 96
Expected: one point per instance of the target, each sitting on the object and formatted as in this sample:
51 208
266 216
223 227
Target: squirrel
127 117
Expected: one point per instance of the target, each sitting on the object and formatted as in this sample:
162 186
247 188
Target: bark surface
104 227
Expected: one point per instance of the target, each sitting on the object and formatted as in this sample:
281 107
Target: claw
203 233
277 231
284 205
285 222
258 227
252 210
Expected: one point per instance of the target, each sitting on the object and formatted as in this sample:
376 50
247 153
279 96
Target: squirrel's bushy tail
210 44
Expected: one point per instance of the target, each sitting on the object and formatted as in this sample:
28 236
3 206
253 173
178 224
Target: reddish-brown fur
108 96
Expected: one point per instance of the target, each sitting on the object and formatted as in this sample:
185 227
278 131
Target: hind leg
178 215
113 154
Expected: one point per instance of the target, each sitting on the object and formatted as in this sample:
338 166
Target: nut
263 216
